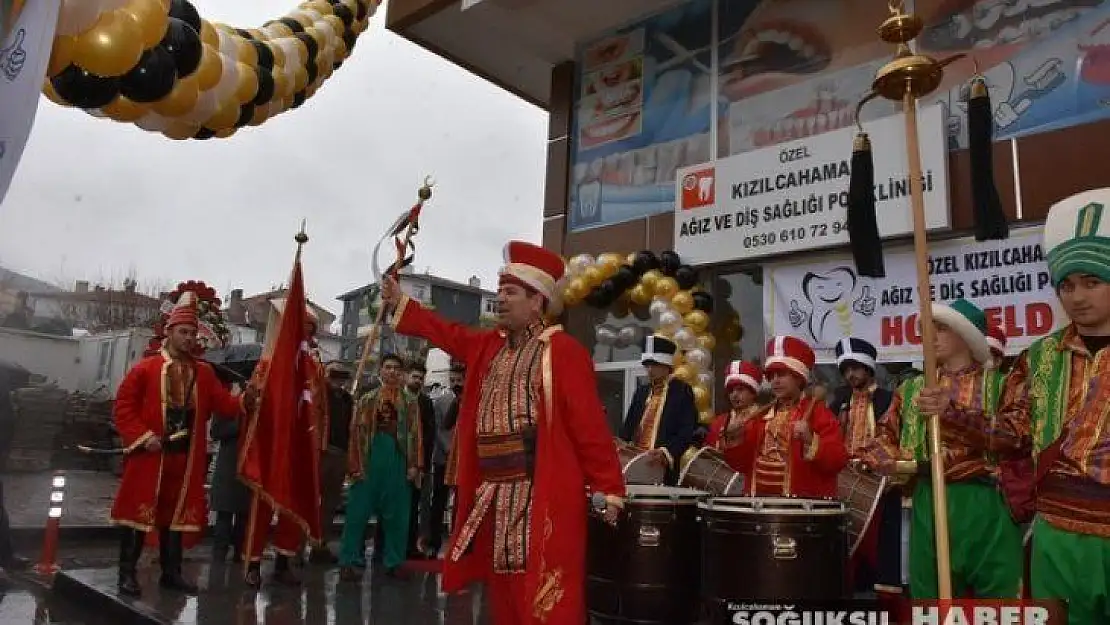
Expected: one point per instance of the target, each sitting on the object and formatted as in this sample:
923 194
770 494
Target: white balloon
685 338
670 321
326 30
658 307
605 335
228 48
206 106
705 379
229 79
580 262
699 358
629 335
77 16
152 122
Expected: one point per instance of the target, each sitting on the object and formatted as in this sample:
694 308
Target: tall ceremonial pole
905 79
403 230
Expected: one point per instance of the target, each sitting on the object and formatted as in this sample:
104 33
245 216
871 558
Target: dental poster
825 301
791 69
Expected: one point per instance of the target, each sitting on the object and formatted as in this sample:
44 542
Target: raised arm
223 403
458 340
128 410
576 393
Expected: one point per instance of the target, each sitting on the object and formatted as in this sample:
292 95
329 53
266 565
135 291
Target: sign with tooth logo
793 196
824 301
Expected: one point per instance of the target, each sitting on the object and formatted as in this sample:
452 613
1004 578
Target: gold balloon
321 40
631 258
208 34
255 33
685 373
705 417
707 341
248 84
152 19
123 109
179 131
226 132
302 18
279 55
679 359
225 116
61 55
279 30
259 116
245 52
210 70
640 295
111 47
702 397
682 302
341 51
697 321
609 263
300 79
593 276
302 49
283 87
650 278
666 288
179 101
336 25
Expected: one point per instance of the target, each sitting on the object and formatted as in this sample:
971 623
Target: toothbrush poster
824 301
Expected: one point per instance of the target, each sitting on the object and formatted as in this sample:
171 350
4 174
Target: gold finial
910 74
301 237
425 192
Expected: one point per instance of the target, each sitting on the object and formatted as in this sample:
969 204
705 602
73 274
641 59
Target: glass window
610 387
610 338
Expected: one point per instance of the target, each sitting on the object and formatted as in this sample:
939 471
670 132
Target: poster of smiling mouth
788 69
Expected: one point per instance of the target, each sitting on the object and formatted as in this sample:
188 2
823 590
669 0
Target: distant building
94 308
467 303
247 317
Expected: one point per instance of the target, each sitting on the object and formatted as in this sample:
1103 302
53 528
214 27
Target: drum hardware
784 548
649 536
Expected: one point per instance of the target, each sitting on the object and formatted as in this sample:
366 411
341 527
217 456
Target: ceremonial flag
280 455
26 37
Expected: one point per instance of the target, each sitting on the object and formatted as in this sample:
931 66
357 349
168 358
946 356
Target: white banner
24 55
823 300
793 196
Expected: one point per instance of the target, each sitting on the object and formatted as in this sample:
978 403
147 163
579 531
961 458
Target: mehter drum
637 466
645 570
772 549
708 470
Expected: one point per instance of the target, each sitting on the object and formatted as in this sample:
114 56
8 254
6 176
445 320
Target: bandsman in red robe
742 383
161 411
532 439
793 447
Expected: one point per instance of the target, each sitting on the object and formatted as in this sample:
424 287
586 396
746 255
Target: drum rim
883 479
686 469
825 507
688 496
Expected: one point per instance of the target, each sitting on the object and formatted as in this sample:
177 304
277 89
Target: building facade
671 122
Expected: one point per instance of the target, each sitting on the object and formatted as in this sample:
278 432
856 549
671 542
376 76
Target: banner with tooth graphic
825 300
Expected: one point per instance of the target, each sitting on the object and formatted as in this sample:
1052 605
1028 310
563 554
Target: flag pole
907 78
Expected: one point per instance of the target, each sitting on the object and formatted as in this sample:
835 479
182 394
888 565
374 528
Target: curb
115 610
28 539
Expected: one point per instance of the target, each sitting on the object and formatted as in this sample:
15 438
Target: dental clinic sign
794 196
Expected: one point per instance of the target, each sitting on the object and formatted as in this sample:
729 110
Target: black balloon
669 262
84 90
343 12
246 112
625 278
361 11
349 40
186 12
337 65
293 24
686 277
299 98
265 54
704 302
644 262
244 34
183 42
313 47
152 79
603 295
313 73
204 133
265 87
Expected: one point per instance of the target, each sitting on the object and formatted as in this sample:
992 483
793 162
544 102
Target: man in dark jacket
333 461
662 416
434 501
876 564
228 497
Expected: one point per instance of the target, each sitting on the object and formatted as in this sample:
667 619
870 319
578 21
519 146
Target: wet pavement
23 607
225 600
88 498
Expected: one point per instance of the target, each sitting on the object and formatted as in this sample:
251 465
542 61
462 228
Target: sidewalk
88 498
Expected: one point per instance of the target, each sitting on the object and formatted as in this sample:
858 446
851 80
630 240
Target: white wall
76 364
438 365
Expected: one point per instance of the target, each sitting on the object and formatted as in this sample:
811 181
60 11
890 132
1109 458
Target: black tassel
863 224
990 221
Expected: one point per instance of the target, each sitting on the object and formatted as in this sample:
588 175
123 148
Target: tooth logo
699 189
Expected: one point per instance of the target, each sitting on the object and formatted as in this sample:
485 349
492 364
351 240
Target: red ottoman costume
724 432
164 489
524 497
778 463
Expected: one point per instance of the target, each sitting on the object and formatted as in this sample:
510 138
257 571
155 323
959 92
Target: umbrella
238 360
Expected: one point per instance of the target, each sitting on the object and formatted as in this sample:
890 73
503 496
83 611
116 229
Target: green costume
385 452
1064 564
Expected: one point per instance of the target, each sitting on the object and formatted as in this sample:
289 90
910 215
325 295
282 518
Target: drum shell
767 555
646 569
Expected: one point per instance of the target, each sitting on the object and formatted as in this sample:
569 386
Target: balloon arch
159 65
663 292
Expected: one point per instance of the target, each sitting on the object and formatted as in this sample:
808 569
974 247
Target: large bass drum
645 570
770 549
637 467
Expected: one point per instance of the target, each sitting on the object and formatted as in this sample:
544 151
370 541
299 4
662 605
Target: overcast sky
94 199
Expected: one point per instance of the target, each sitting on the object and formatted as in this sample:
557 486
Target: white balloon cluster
620 338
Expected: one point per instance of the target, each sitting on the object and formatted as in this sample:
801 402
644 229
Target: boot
283 572
130 549
171 553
